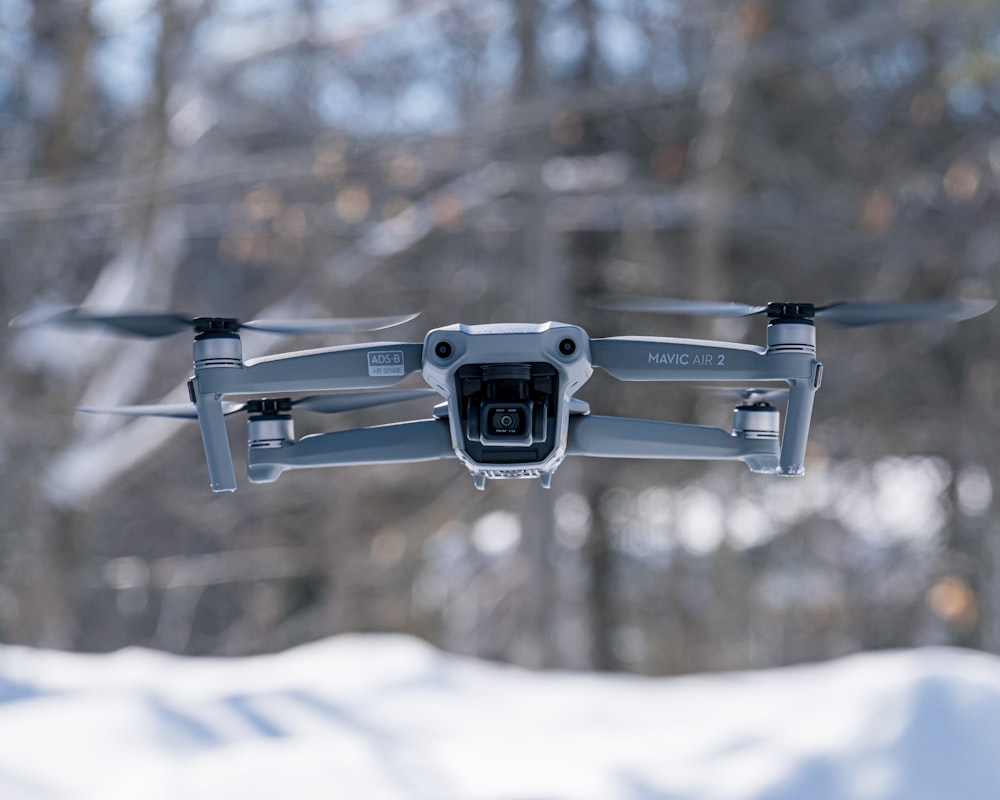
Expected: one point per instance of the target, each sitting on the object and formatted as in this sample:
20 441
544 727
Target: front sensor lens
442 349
567 347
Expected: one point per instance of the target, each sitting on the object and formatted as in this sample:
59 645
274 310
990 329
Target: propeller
319 403
671 305
153 325
849 314
751 395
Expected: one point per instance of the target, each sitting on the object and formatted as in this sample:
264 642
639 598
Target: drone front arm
642 358
219 370
365 366
402 442
620 437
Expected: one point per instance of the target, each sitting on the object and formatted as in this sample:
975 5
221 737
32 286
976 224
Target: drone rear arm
419 440
789 357
620 437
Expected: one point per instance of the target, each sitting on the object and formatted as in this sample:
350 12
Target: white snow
385 717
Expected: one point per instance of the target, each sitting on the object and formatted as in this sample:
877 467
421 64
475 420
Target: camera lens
442 349
504 421
507 424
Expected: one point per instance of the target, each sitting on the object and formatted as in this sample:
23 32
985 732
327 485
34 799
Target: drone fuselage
509 405
508 389
509 408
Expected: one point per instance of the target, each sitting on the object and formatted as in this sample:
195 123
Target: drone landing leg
213 435
796 431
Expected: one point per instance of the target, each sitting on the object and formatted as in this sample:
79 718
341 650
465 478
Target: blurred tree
503 160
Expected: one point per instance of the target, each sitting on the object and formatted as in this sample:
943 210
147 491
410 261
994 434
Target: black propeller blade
673 305
335 403
154 325
174 411
751 395
851 314
319 403
861 313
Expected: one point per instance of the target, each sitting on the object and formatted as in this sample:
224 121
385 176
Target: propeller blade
320 403
852 314
861 313
578 406
673 305
173 411
334 403
148 325
346 325
751 394
152 325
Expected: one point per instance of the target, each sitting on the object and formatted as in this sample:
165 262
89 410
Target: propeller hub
801 313
270 407
216 326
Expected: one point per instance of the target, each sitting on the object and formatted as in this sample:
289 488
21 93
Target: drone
508 406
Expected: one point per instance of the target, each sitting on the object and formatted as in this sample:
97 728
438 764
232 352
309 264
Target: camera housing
508 406
508 391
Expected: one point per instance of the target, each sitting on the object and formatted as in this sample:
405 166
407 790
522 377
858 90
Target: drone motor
269 422
758 421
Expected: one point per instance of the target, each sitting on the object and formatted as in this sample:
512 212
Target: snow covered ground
385 717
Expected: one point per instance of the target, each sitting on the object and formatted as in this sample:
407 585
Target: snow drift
386 717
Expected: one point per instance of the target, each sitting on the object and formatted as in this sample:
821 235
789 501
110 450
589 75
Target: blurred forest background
502 160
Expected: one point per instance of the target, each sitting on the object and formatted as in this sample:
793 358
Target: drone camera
507 407
506 423
506 414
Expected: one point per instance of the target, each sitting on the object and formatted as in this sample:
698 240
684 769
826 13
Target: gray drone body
509 408
508 391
